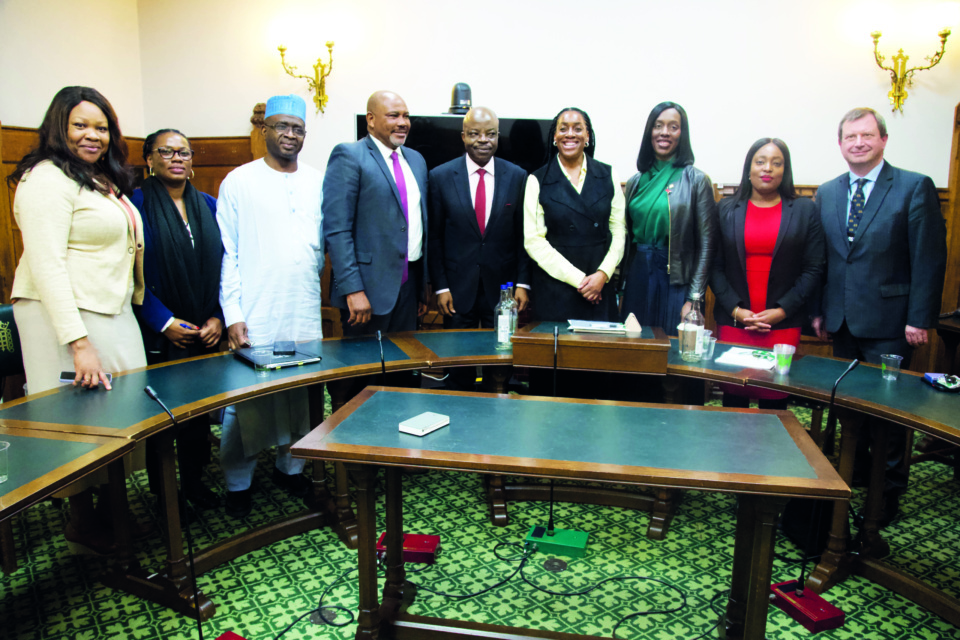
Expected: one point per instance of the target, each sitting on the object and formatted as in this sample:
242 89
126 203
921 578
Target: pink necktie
480 202
402 188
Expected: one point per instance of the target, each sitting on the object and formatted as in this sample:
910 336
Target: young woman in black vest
574 231
573 225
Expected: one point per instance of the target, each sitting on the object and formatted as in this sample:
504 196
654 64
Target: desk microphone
383 365
810 530
809 609
186 522
556 334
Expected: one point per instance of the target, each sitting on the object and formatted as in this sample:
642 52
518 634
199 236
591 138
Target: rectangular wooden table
42 463
763 457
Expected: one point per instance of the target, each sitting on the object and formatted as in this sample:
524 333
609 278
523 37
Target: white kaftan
270 279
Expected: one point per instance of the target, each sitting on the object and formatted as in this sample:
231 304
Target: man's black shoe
297 485
201 496
239 503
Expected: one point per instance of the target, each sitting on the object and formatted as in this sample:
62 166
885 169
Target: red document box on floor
416 548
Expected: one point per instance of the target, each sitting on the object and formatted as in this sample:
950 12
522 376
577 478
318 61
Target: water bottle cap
503 287
509 284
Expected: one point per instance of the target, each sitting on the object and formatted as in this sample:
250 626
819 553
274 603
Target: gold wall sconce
900 76
318 83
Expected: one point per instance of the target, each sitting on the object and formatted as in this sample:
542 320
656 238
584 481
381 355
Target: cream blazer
78 249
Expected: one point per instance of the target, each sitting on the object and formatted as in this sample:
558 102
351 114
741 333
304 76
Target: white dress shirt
273 252
414 216
489 183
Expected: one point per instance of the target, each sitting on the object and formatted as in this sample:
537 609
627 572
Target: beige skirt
119 346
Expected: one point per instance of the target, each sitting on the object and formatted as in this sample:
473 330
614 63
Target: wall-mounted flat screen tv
437 138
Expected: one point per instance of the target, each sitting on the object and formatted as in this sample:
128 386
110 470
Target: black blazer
795 272
892 274
459 256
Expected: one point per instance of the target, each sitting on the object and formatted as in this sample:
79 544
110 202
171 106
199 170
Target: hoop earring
151 171
554 143
193 174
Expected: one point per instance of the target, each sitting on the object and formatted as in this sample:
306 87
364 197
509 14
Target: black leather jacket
693 230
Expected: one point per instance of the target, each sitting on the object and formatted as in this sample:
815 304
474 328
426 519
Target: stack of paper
749 358
591 326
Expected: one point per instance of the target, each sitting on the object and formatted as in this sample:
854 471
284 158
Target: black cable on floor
460 596
320 608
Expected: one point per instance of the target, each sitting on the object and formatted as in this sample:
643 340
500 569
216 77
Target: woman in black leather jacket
671 224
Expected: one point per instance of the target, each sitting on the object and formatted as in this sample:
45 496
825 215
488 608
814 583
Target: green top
648 210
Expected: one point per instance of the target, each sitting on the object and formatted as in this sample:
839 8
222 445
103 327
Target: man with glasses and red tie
375 223
269 216
476 231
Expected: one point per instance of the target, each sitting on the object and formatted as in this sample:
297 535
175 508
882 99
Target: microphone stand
556 334
186 520
383 365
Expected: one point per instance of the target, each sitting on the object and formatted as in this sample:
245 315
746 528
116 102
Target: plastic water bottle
691 332
516 307
505 316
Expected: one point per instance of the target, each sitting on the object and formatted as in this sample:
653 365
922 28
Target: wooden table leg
397 594
835 563
870 542
497 499
346 522
746 615
671 389
495 379
173 587
661 514
368 619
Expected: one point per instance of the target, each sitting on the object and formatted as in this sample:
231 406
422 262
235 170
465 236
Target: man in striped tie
886 259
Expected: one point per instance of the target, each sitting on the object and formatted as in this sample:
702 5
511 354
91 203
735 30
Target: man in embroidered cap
270 221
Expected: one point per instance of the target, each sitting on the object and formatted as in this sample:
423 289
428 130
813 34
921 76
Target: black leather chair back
11 359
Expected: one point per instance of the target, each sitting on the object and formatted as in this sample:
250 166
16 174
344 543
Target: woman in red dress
768 263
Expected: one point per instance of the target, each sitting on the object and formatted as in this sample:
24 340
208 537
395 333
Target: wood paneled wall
215 158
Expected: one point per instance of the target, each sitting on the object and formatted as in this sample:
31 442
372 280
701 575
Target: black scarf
189 274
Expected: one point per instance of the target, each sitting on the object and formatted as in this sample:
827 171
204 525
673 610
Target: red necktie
480 202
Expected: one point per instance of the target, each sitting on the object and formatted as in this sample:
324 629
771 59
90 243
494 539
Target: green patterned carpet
56 595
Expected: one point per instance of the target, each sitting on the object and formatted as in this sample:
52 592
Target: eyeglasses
283 128
167 153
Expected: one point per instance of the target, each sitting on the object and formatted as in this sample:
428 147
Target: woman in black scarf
180 316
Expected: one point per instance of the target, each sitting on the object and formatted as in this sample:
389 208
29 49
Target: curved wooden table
196 386
908 401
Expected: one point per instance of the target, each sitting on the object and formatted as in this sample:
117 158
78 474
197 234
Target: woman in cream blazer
82 267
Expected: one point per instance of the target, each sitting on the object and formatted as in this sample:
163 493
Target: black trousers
846 345
403 317
469 315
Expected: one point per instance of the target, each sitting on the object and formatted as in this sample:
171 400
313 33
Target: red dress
760 231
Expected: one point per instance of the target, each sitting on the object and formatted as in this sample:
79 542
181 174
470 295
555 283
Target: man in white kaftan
269 216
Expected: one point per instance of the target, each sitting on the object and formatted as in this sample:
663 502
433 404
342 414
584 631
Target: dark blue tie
856 209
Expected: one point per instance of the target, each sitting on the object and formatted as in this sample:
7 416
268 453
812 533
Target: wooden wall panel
215 158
